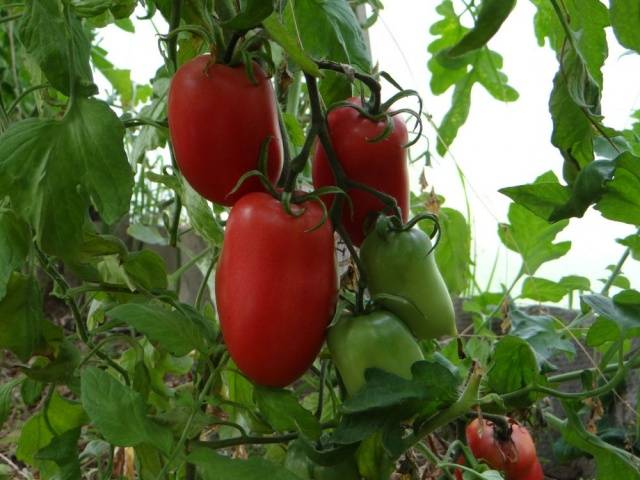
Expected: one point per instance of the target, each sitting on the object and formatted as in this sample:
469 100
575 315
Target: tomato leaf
15 238
279 34
329 30
625 15
58 44
453 253
171 329
633 242
621 201
119 79
21 317
611 461
146 269
62 415
623 310
51 169
63 450
251 14
513 367
491 15
575 282
120 413
545 334
147 233
283 412
200 215
543 290
212 466
532 238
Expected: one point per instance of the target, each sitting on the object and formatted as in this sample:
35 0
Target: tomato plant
219 117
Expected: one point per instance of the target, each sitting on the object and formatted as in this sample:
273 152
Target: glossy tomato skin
515 457
218 121
381 165
276 288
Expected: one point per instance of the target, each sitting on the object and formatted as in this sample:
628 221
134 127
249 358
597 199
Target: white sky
501 144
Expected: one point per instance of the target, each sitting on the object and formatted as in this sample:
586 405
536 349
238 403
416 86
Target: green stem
187 265
10 18
81 327
368 80
467 400
616 271
174 22
205 279
24 94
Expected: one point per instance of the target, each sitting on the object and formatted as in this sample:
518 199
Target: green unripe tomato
375 340
404 278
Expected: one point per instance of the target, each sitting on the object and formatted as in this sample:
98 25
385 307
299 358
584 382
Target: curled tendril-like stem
195 29
368 80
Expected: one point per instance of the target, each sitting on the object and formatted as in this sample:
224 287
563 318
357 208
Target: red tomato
218 120
514 456
276 288
381 165
534 473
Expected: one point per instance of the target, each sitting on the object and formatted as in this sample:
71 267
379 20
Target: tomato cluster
276 283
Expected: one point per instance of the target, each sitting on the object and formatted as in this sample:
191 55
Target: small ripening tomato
404 278
515 455
276 287
218 121
381 165
377 339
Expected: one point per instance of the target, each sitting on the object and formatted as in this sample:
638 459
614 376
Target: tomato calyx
384 225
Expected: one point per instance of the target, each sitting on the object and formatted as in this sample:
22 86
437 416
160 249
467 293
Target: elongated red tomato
276 288
218 121
381 165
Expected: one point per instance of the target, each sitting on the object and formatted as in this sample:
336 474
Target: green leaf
62 414
532 238
95 246
15 239
328 30
171 329
543 290
588 19
200 215
552 201
487 70
457 114
212 466
59 370
433 385
251 14
147 234
283 412
63 450
621 310
547 25
625 17
21 317
453 254
571 126
90 8
602 331
575 282
6 400
611 461
545 334
58 44
120 413
513 367
51 169
491 15
621 202
296 134
279 34
633 242
374 462
146 269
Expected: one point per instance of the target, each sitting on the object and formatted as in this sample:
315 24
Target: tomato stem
368 80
